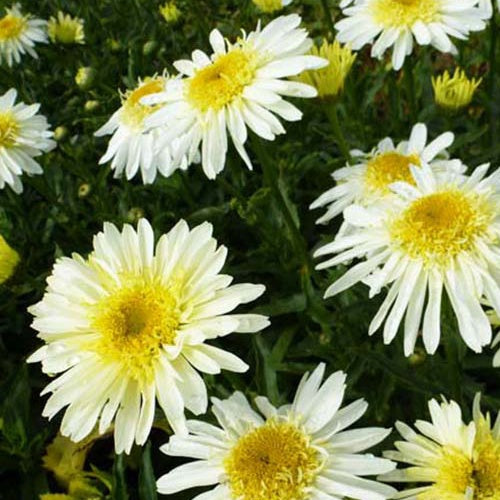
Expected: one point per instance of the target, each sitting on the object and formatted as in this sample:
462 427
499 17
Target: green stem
332 114
328 16
492 76
272 180
410 89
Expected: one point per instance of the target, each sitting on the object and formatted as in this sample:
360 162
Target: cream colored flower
66 29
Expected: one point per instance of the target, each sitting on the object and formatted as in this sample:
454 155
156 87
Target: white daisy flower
24 135
18 34
299 451
241 85
368 180
133 145
129 324
458 461
399 23
440 234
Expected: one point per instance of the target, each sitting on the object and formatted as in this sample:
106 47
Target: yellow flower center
134 322
133 112
387 168
9 129
405 13
458 475
11 27
223 81
273 462
439 226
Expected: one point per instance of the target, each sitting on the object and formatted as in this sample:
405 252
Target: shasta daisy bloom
400 23
18 34
440 234
299 451
133 145
368 180
241 85
454 92
455 460
130 323
24 135
66 29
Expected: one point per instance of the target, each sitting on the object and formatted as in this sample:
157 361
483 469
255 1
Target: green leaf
119 491
147 482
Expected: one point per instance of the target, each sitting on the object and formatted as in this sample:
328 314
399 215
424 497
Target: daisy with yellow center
458 461
128 325
241 85
400 23
369 178
18 34
133 145
329 81
270 6
24 135
454 92
295 452
439 233
66 29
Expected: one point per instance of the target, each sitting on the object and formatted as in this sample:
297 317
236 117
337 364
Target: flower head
170 12
370 177
329 81
241 85
299 451
454 92
133 145
18 34
24 135
66 29
271 6
9 259
128 325
85 77
438 234
455 461
400 23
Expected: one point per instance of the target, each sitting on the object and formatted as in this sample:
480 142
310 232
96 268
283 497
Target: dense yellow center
11 26
458 475
133 112
387 168
439 226
273 462
405 13
9 129
134 322
221 82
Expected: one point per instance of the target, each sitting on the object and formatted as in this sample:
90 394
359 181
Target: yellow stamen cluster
66 29
273 462
11 26
170 12
9 259
268 5
454 92
437 227
405 13
223 81
134 322
329 81
9 129
386 168
133 112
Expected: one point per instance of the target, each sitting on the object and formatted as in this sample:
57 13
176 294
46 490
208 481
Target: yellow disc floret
134 322
11 27
386 168
133 112
9 129
454 92
405 13
273 462
223 81
439 226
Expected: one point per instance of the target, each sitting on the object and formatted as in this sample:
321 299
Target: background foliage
60 211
